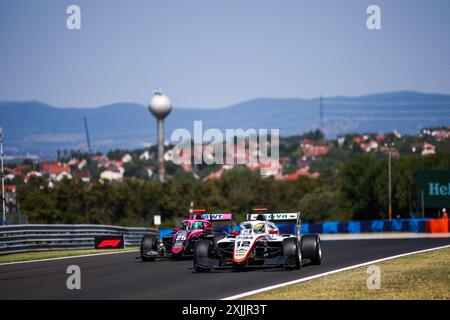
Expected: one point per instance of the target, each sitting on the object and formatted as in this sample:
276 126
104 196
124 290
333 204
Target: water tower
160 106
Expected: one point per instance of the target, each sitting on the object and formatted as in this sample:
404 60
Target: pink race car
181 242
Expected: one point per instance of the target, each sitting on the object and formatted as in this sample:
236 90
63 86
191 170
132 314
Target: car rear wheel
292 253
312 248
148 243
201 251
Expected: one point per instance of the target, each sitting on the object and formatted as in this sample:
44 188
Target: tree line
356 189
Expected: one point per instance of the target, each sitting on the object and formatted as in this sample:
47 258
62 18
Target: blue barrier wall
397 225
164 232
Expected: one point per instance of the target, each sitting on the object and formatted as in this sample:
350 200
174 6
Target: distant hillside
38 128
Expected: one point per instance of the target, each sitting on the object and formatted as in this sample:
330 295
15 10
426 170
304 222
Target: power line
88 139
321 112
3 177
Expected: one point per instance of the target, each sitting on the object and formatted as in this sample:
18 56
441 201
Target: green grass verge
28 256
419 276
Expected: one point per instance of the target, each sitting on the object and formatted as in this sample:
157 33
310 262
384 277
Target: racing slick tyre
292 253
201 251
148 243
312 248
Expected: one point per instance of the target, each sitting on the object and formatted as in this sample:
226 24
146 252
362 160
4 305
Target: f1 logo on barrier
109 242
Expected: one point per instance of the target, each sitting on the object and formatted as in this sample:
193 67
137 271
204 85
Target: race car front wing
214 263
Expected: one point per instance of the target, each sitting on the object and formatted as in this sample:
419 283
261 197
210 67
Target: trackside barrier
43 237
438 226
396 225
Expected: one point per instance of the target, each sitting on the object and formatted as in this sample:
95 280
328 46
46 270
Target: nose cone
160 105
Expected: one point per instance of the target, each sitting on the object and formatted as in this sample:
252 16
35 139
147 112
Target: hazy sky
207 53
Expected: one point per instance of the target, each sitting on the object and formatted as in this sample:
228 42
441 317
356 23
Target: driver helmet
259 228
260 217
197 225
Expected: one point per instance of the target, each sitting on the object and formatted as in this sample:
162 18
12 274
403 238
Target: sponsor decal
178 244
284 216
217 216
438 189
109 242
241 253
433 189
180 238
275 216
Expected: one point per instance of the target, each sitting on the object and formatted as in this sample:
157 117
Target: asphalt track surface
121 276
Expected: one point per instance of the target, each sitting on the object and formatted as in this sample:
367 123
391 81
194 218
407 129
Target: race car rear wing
294 216
291 217
213 216
216 218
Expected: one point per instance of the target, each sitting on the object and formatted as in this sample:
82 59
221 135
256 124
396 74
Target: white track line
70 257
249 293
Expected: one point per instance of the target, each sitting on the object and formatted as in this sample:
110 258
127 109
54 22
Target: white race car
260 244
